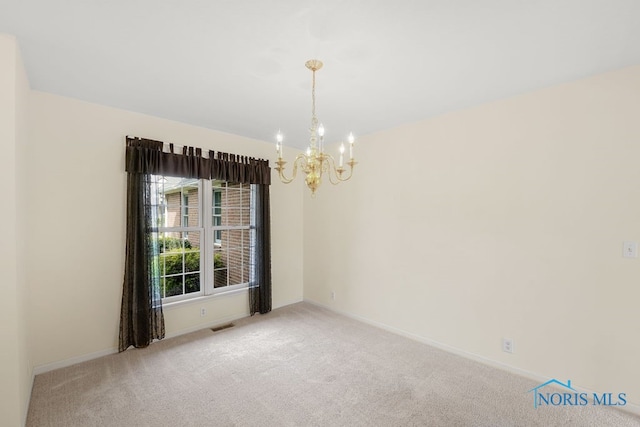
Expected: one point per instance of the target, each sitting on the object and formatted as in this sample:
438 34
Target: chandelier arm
338 171
329 165
280 168
351 164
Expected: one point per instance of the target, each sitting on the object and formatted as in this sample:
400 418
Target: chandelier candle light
315 162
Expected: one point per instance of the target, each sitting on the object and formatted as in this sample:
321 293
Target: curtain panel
141 317
260 290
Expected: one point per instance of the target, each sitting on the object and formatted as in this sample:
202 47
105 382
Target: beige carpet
297 366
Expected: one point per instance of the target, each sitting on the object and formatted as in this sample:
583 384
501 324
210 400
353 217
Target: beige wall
15 361
505 220
76 217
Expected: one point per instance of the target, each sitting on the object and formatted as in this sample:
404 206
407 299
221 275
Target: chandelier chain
313 95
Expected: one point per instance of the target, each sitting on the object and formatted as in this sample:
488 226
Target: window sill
203 298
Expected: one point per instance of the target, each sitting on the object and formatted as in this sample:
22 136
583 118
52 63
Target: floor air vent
221 327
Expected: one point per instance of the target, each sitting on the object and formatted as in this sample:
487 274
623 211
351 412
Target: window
201 257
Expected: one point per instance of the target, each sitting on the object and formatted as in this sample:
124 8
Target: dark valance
146 156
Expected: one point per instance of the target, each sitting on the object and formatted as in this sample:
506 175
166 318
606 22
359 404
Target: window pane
220 278
192 283
220 268
192 260
192 239
181 202
233 195
179 262
231 216
235 267
173 286
246 255
246 216
234 240
171 263
245 196
170 241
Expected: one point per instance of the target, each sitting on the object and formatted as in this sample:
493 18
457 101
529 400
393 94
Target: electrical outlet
203 312
333 295
630 250
507 345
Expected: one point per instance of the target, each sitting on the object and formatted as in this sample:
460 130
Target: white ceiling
238 65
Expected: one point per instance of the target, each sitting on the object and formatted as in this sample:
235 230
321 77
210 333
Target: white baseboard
37 370
41 369
90 356
32 376
284 304
629 407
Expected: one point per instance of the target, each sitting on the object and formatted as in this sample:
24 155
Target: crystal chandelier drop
314 163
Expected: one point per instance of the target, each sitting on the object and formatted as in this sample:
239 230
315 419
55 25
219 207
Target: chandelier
315 162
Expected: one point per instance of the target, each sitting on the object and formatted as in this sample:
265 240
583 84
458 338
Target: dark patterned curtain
141 318
260 288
